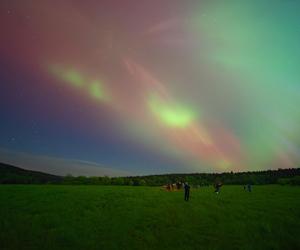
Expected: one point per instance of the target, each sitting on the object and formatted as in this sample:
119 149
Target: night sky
146 87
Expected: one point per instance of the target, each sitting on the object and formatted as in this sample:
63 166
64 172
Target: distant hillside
12 175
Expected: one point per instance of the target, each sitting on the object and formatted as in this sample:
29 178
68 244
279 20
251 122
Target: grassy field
111 217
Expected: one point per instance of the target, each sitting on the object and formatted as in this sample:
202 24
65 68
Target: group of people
174 186
248 187
178 186
217 187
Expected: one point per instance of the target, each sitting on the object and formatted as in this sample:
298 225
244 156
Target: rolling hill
12 175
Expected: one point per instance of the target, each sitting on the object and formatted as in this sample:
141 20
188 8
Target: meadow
124 217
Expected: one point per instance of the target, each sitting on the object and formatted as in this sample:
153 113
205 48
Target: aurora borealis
152 86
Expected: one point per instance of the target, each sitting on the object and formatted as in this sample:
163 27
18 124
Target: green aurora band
255 44
95 88
171 115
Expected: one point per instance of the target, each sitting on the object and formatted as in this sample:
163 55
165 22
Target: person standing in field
186 191
218 187
249 187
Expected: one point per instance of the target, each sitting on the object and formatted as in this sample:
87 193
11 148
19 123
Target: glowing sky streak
171 115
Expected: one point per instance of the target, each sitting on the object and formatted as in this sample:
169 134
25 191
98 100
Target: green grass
111 217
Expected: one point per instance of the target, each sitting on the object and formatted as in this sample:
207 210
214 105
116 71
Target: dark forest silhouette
14 175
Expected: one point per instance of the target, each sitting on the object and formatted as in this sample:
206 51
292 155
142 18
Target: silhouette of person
186 191
218 187
249 187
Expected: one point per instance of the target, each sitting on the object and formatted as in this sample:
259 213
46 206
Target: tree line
280 176
14 175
